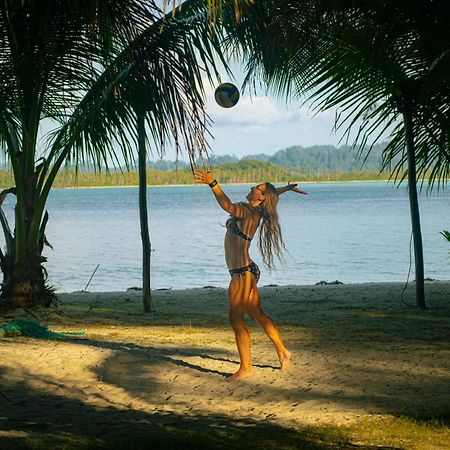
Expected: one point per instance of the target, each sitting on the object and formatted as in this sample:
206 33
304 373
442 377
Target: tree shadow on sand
40 420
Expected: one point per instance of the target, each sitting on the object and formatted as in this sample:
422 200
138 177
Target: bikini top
232 225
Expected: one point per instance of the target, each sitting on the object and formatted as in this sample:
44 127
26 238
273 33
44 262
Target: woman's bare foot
239 375
285 360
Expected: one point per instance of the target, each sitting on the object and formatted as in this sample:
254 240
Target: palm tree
384 65
92 68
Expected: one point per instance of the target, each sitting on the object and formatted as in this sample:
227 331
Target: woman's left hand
293 187
205 177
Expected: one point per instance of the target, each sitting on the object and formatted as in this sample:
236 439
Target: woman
243 292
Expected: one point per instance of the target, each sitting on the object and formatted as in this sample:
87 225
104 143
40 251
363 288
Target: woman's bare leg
238 296
255 311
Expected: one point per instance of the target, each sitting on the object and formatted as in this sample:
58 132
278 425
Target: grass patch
400 432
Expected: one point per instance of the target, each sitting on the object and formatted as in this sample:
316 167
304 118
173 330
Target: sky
264 124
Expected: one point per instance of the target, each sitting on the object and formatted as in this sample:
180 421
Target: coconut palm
383 64
91 69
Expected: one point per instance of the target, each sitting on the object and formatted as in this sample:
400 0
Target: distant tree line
317 158
316 163
330 159
244 171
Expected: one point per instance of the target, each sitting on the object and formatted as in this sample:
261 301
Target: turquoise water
353 232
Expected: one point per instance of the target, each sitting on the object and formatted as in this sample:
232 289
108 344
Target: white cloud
258 110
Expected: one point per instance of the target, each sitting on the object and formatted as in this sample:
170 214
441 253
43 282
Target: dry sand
358 351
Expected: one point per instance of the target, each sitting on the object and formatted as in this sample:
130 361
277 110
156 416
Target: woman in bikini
243 294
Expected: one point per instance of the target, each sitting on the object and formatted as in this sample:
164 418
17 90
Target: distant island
296 163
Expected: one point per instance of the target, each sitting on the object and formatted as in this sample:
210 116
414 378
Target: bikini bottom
252 268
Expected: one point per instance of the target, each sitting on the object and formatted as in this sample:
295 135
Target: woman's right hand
205 177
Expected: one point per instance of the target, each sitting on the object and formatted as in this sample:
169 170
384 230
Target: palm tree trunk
414 208
24 279
145 235
24 284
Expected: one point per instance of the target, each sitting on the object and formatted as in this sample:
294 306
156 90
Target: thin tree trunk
414 208
145 235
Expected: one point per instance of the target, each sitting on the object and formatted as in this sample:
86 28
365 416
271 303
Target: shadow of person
233 361
160 354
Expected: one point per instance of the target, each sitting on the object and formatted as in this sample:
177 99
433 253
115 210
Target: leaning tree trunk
414 207
145 235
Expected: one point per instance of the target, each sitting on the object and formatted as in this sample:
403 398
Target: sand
358 351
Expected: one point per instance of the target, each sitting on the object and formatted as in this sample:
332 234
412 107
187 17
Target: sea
353 232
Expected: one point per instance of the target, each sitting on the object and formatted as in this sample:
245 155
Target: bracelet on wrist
212 184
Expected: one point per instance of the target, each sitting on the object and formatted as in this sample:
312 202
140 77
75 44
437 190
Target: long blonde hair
270 238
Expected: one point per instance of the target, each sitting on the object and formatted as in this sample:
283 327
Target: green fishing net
33 328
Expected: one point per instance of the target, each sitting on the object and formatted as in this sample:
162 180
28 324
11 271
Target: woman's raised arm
206 177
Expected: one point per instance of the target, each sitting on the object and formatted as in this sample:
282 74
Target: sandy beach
362 354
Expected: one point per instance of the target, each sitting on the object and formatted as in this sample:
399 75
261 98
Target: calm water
353 232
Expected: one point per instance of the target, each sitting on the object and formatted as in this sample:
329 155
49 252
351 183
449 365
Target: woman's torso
236 246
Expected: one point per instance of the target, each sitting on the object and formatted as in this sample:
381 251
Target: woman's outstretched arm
206 177
290 187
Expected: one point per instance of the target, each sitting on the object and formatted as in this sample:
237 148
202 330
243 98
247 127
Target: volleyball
226 95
